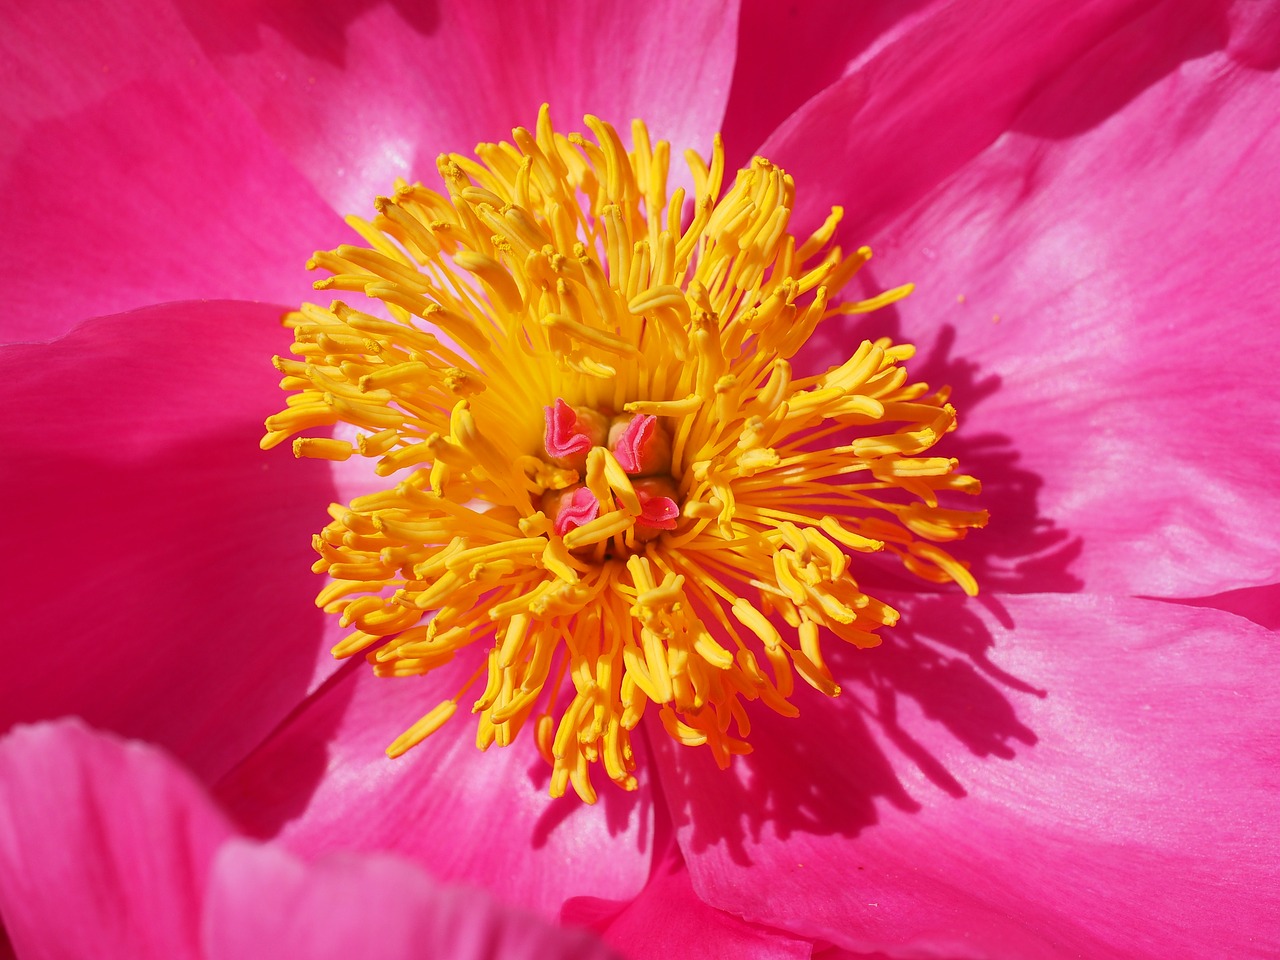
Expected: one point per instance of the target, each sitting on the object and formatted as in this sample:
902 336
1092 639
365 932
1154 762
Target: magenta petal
1100 760
323 782
789 52
265 903
360 94
1259 604
130 175
105 847
1105 277
163 586
668 920
938 92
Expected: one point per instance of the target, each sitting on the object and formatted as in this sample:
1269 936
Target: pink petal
668 920
1021 782
104 847
322 782
937 92
159 562
1120 320
789 52
130 174
264 903
1255 33
1259 604
358 95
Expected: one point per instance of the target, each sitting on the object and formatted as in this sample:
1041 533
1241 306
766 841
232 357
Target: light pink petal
158 562
130 174
105 847
789 52
669 920
265 903
1055 776
360 94
323 782
1113 350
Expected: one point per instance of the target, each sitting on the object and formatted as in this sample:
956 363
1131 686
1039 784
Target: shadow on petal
1127 61
317 30
1020 550
789 52
786 785
826 771
621 809
265 796
1259 604
322 782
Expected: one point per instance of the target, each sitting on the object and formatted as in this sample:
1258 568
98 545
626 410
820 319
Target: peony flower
146 866
1079 762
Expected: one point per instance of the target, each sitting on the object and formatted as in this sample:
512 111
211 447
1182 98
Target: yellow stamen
559 270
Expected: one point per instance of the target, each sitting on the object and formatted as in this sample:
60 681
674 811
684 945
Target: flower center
626 462
611 488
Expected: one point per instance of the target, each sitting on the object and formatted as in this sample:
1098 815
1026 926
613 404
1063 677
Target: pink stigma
564 436
658 512
634 443
577 508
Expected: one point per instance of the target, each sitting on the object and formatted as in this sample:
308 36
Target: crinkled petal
264 902
105 847
130 174
162 588
322 782
359 94
1021 781
1100 287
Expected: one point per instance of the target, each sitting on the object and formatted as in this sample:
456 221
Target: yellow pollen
608 485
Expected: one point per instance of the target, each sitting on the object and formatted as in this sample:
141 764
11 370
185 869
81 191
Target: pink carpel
633 444
565 436
656 511
577 508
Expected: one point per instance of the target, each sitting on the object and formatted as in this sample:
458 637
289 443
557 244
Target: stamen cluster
610 489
